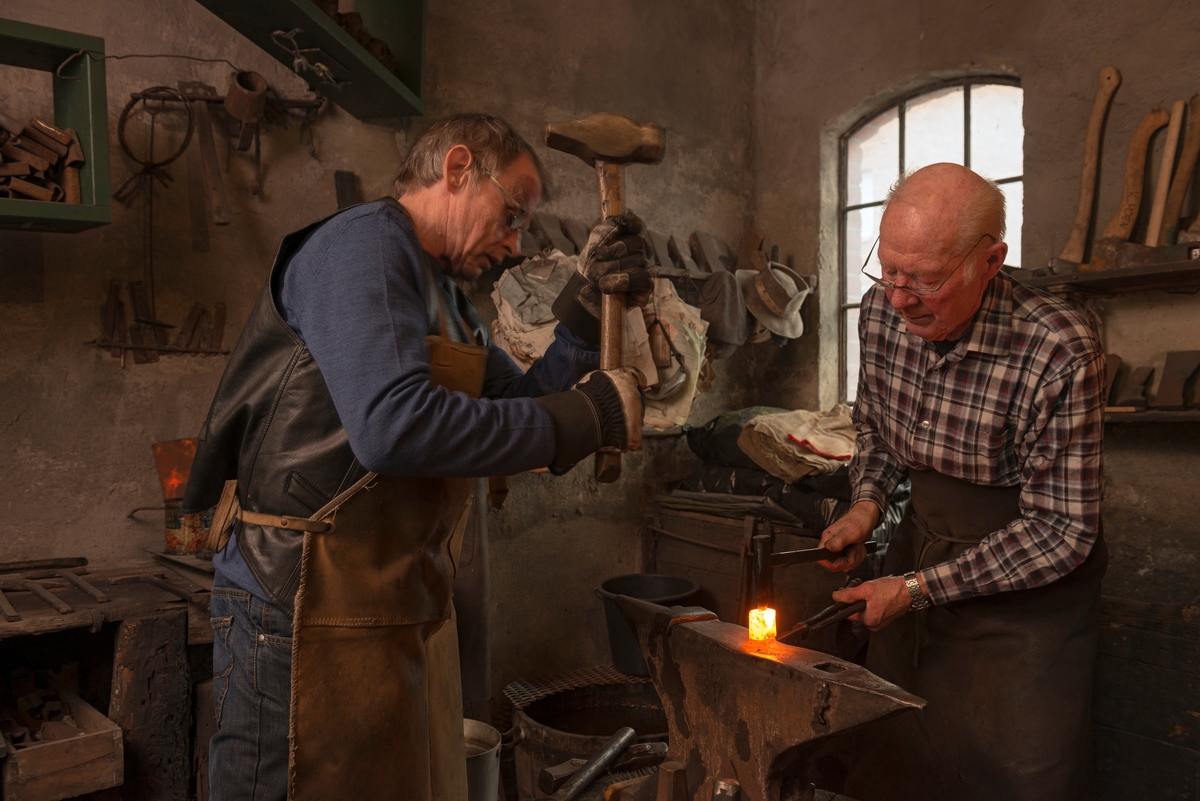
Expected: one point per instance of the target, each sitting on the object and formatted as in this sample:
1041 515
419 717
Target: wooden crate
67 768
708 549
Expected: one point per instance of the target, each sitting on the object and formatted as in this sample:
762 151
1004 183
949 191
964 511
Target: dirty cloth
686 331
524 327
800 443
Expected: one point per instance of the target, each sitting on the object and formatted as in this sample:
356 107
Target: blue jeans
252 674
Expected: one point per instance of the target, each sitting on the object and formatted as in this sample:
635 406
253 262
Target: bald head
949 205
937 220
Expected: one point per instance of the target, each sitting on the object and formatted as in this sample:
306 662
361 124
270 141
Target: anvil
754 711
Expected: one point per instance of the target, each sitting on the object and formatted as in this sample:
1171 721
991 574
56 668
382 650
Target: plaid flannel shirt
1019 401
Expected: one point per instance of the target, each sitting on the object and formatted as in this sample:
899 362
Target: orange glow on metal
762 624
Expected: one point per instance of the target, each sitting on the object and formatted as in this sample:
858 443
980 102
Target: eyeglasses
921 291
519 216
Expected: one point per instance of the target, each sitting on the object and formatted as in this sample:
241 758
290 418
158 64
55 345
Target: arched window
972 121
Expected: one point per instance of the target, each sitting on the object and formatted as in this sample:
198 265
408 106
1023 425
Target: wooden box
67 768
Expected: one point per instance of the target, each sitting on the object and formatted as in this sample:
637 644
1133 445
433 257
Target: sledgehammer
606 141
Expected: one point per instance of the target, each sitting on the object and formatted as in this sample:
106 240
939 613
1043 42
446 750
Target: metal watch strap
919 601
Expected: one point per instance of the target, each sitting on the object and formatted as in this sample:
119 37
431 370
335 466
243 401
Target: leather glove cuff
576 428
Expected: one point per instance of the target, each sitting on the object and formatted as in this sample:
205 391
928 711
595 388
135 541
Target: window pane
997 133
933 129
862 226
1014 206
851 354
873 159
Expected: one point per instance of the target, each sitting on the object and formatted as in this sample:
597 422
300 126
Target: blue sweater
355 293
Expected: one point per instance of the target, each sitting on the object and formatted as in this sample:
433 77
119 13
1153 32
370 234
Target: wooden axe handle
1121 224
612 310
1110 79
1153 229
1183 174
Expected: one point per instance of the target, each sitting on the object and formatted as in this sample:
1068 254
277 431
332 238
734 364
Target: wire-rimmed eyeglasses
921 291
519 216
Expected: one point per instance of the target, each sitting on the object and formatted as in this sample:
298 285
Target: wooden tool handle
1121 224
1183 175
1110 79
612 311
1154 228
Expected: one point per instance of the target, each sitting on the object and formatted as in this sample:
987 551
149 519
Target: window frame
899 102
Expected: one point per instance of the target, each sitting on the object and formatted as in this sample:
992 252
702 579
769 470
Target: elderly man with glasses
342 452
988 395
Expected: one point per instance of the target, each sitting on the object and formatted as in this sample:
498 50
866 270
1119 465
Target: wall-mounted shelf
80 102
365 88
1139 268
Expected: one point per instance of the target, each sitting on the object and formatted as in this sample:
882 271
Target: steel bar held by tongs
826 617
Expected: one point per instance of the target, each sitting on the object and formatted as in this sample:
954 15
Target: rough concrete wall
688 68
820 66
76 428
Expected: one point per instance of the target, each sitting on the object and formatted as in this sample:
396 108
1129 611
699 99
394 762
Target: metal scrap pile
31 711
39 161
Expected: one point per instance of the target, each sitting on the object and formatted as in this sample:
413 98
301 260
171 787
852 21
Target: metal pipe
763 579
597 764
813 555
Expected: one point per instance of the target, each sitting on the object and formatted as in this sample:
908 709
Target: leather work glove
613 260
603 411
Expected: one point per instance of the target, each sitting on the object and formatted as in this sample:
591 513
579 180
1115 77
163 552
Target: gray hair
493 142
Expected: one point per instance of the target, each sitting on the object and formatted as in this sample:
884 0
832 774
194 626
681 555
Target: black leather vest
274 428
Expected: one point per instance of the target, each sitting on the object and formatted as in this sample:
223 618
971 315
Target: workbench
137 653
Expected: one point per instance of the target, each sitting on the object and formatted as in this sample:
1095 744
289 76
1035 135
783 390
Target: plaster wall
76 427
822 66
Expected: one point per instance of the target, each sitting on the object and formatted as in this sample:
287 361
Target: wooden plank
206 726
184 333
1180 620
1153 701
1130 767
345 184
218 325
1149 647
151 701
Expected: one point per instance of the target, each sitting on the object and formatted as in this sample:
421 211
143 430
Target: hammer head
608 137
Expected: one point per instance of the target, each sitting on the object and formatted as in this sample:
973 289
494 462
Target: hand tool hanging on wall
245 102
1072 252
1121 225
1154 229
607 141
1169 233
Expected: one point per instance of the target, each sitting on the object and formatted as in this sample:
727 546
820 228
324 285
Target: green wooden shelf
365 88
80 102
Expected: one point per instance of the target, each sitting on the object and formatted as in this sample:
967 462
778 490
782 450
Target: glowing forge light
762 624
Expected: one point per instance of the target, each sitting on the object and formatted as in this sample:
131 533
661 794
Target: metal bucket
483 760
652 587
576 723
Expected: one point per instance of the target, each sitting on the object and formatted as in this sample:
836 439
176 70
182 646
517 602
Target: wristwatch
919 601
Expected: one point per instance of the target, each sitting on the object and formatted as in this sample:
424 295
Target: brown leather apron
376 700
1007 677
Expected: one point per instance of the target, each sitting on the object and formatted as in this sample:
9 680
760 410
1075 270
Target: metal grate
523 692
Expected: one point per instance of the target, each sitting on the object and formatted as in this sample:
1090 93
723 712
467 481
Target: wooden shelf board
1154 416
366 88
39 215
1171 275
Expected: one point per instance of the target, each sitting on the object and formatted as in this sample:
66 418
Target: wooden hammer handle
612 310
1153 229
1121 224
1110 79
1183 175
